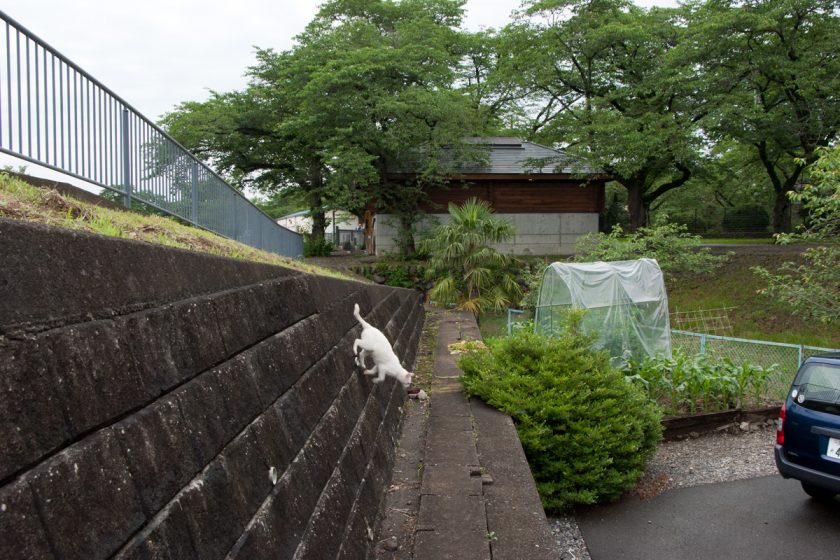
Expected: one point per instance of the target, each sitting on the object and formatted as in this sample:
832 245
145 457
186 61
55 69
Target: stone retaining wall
156 403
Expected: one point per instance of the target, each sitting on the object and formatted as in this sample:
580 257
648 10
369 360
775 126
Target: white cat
374 343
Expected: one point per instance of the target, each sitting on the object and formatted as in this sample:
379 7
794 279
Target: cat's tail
359 316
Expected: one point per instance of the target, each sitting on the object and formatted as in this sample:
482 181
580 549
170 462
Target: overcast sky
156 54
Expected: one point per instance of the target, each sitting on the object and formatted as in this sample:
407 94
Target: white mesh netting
625 301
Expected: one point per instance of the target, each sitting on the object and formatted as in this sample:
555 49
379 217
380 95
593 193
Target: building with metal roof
551 198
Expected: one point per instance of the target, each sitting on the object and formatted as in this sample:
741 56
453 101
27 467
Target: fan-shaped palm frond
466 269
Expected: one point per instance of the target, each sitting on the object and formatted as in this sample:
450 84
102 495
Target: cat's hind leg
372 371
360 359
359 353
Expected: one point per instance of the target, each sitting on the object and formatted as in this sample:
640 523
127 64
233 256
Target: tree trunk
406 235
781 213
781 186
636 206
319 219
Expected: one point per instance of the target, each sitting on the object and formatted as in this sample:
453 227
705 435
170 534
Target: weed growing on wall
586 431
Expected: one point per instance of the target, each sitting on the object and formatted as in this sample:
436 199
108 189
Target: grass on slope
21 201
754 316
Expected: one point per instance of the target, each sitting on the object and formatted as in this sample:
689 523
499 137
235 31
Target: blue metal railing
54 114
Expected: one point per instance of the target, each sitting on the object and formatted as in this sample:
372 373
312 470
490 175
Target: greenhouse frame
625 301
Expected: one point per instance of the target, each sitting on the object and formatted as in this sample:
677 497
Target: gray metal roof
507 154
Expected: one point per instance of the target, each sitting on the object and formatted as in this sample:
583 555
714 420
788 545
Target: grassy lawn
754 316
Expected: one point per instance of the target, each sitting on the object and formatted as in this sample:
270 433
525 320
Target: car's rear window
818 387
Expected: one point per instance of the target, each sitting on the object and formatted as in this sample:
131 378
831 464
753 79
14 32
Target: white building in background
340 222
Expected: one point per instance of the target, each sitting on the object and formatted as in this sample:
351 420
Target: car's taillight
780 426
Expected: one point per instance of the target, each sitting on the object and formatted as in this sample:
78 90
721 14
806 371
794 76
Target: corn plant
702 383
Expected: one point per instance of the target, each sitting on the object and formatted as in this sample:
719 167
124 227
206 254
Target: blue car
808 430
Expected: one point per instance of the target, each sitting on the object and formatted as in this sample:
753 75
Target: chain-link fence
785 357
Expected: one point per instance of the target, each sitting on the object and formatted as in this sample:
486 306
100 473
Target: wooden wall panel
519 197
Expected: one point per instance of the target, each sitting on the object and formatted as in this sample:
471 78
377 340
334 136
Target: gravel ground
716 457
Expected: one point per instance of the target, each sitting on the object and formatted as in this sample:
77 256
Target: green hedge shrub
587 432
316 247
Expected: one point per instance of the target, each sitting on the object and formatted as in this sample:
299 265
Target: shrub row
586 431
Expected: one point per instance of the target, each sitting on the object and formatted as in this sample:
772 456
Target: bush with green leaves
529 276
395 274
687 384
811 289
316 246
676 250
587 432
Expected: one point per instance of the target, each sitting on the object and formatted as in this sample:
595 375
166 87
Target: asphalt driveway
763 518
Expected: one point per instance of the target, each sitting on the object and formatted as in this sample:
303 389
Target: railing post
703 343
799 359
126 160
194 193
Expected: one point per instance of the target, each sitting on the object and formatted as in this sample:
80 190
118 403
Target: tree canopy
369 92
772 73
729 100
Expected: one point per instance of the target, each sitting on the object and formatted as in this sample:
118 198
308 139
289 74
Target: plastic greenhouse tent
625 301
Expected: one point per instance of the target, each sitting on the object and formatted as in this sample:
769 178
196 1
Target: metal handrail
83 129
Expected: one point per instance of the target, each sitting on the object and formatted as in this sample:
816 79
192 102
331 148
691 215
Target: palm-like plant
466 271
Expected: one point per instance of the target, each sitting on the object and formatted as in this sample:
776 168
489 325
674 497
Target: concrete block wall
536 233
156 403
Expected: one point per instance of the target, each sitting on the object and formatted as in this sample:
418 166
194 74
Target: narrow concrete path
477 498
453 519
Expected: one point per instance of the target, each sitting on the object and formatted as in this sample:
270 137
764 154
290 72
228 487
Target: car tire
817 492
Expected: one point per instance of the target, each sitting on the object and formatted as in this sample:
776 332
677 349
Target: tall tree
774 69
812 289
359 111
257 137
385 90
604 81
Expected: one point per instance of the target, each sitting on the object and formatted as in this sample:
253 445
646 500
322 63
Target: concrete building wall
536 234
160 404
